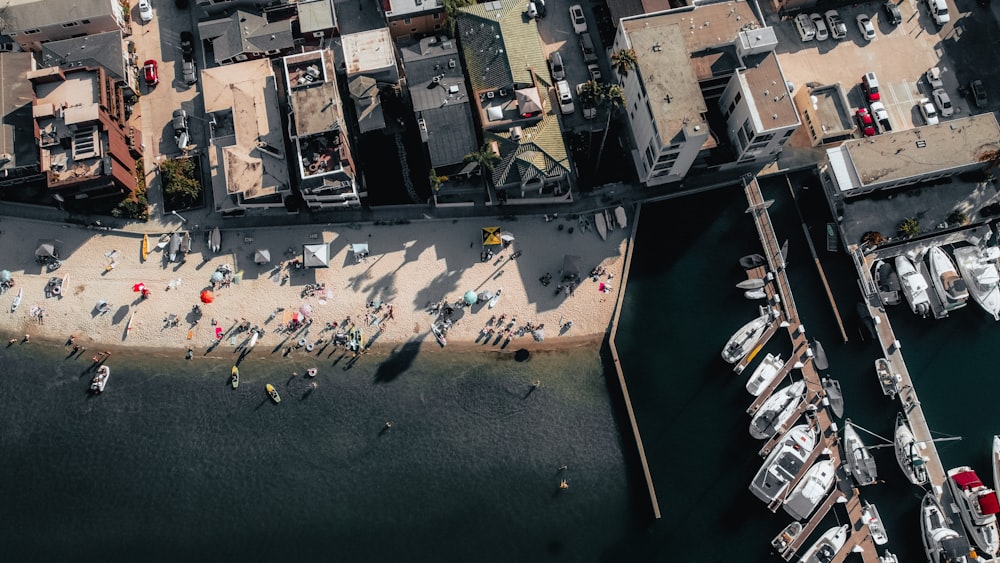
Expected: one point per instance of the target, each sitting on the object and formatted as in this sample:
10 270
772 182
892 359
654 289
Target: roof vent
451 63
657 48
515 134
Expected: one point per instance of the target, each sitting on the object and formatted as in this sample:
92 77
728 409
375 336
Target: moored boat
914 286
620 217
755 294
949 287
887 283
860 461
865 314
751 283
744 339
783 463
100 380
996 462
777 410
234 377
819 355
601 224
888 381
811 489
874 522
941 543
889 557
978 267
752 261
827 546
834 395
764 374
911 461
273 393
978 507
787 536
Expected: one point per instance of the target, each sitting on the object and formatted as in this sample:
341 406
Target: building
414 19
316 20
370 63
513 105
826 114
247 158
706 94
326 172
34 22
18 149
108 49
86 150
245 36
214 7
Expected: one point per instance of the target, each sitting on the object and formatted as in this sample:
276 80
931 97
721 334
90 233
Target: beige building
33 22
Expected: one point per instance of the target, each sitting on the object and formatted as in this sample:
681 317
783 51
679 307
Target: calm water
171 464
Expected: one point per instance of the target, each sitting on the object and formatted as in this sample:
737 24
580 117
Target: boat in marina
100 380
620 217
941 543
819 355
811 489
978 267
783 463
911 461
273 393
755 294
948 285
764 374
744 339
751 261
889 557
865 314
888 381
751 283
787 536
601 224
777 410
887 283
860 461
234 377
914 286
17 300
978 507
827 546
996 462
834 395
874 522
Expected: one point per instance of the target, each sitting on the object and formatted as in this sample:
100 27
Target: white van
805 27
565 97
939 9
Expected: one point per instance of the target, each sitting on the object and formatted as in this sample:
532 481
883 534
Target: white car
927 110
821 33
579 20
805 27
556 66
866 27
595 72
943 102
838 29
145 11
933 75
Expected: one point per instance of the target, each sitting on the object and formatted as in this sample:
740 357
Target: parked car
595 72
556 66
892 14
180 123
821 33
587 48
939 10
927 110
865 122
838 29
187 43
189 70
589 110
579 20
881 116
805 27
943 102
150 73
565 97
145 11
866 27
869 83
979 93
933 76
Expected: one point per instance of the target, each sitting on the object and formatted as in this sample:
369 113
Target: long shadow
398 362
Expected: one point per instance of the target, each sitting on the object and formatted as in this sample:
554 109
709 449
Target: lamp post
183 220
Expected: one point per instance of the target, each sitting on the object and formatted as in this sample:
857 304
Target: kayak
145 247
273 393
235 378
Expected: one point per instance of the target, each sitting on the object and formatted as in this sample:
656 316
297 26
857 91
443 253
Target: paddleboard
17 300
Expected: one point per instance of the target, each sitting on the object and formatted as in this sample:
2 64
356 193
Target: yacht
914 286
811 489
908 453
765 373
941 543
783 463
950 288
777 410
978 506
859 460
827 546
874 522
978 267
744 339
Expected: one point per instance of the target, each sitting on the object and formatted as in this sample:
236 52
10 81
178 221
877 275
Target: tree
180 188
623 62
614 98
909 227
436 180
486 159
958 217
872 238
452 8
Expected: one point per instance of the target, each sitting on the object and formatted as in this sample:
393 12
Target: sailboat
765 373
859 460
911 461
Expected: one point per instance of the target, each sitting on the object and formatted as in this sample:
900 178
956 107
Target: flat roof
766 85
705 26
829 108
27 14
316 108
16 129
368 51
403 7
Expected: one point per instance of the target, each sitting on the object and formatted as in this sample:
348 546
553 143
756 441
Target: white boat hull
811 489
783 463
979 270
777 411
827 545
977 505
744 339
914 286
765 373
911 462
601 224
948 285
859 460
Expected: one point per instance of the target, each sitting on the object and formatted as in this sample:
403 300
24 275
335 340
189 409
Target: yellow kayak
145 247
273 393
235 377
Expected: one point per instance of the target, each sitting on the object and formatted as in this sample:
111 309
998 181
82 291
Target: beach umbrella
507 236
5 275
207 296
138 287
538 335
262 256
306 310
491 236
316 255
471 298
217 277
47 248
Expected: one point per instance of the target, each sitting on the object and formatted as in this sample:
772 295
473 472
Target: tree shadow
399 361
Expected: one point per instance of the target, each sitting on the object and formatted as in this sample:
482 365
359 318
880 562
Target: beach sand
410 267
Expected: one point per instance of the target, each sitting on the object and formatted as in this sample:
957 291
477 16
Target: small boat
145 247
872 518
439 335
783 463
783 251
996 462
755 294
787 536
128 327
175 245
941 543
215 240
889 557
601 224
834 395
17 300
827 546
860 461
978 507
273 393
819 355
311 372
914 286
620 217
752 283
764 374
979 270
496 298
950 288
888 381
234 377
744 339
913 464
752 261
811 489
100 380
887 283
777 410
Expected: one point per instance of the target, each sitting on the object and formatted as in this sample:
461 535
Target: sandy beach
410 267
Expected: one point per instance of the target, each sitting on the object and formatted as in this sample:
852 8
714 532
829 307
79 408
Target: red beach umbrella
207 296
138 287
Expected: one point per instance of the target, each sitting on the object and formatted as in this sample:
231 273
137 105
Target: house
413 19
245 36
317 21
247 158
707 92
108 49
513 104
33 22
18 149
326 172
370 60
215 7
86 150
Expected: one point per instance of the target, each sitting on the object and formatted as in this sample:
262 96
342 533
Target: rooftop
245 32
315 104
28 14
368 51
500 46
104 49
17 146
403 7
315 15
766 85
830 113
67 113
704 26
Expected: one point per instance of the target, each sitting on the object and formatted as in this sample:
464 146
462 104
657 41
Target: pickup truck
933 76
881 117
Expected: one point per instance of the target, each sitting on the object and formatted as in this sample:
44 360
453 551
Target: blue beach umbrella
5 275
471 298
217 277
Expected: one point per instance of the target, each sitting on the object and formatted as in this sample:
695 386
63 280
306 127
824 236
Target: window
437 26
663 166
649 157
669 157
406 21
756 146
739 96
85 22
437 16
791 132
748 129
763 138
32 31
71 24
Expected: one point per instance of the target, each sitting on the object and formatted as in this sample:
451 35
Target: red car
149 71
865 123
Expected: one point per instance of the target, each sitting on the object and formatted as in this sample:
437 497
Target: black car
187 43
892 13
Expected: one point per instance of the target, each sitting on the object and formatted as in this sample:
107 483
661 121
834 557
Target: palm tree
623 61
486 159
614 99
592 95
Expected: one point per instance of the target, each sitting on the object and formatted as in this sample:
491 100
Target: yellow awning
491 236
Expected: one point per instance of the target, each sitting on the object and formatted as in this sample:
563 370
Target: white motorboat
777 410
887 282
911 461
601 224
979 270
941 543
889 557
914 286
811 489
765 373
996 462
783 463
744 339
751 283
620 217
948 285
755 294
978 507
827 546
888 381
787 536
874 522
860 462
100 380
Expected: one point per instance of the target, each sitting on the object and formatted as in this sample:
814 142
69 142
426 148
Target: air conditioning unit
318 34
451 63
490 95
515 134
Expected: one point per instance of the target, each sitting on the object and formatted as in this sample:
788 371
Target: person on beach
12 341
27 337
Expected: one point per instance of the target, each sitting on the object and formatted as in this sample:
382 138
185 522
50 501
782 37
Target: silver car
180 123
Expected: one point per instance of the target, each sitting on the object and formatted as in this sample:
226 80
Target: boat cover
955 549
967 479
988 503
